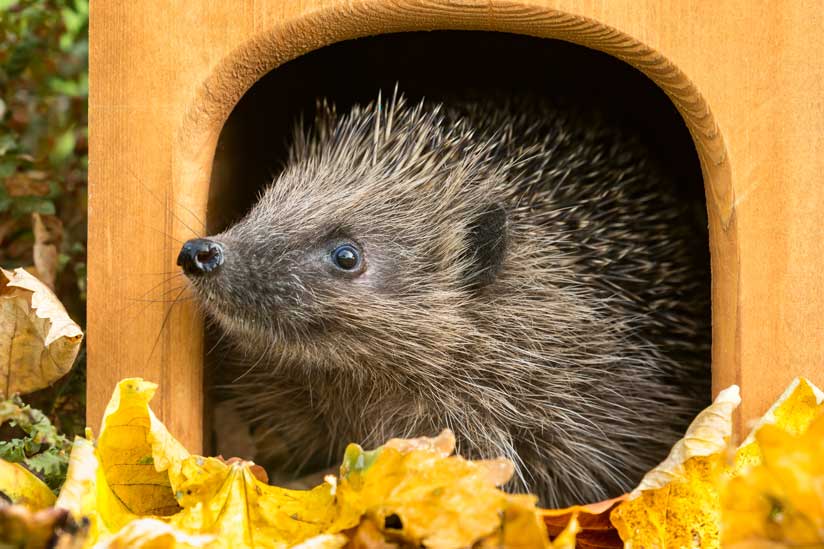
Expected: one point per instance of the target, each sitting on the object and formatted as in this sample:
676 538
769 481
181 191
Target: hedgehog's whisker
170 210
165 321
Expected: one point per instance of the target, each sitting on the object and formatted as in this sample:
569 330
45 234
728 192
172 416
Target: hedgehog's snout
200 256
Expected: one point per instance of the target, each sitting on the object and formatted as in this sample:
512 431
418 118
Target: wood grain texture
747 77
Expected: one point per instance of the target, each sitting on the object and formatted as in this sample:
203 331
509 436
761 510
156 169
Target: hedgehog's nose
200 256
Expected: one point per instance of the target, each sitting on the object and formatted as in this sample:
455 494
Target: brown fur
529 284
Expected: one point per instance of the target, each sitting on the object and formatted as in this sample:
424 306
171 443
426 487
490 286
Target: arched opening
438 66
252 145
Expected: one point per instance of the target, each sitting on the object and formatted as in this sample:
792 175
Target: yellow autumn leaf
425 498
155 534
324 541
38 340
792 412
77 495
87 496
442 446
18 485
523 527
227 500
777 499
677 504
135 450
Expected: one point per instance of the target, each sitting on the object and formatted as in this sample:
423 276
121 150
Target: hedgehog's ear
486 246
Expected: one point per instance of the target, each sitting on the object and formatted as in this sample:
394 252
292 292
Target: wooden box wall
747 77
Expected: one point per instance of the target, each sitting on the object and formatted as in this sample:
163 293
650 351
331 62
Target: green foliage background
44 86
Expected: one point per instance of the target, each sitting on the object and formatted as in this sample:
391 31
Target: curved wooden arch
235 75
243 67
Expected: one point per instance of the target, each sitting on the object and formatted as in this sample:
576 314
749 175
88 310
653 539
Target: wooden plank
145 60
165 74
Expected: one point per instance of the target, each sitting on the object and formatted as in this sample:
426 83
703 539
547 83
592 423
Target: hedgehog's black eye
346 257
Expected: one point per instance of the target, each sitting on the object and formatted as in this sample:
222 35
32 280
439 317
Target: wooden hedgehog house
746 80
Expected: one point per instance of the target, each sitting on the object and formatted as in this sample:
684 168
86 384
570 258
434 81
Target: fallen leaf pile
135 486
767 493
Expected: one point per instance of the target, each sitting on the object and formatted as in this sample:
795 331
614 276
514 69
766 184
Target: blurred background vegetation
44 86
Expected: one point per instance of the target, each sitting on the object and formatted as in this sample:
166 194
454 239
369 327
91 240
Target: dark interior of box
438 65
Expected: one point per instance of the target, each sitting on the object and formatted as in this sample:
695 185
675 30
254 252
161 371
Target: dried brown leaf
31 183
48 232
38 340
595 528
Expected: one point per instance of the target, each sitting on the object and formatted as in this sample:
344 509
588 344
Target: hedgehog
518 270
